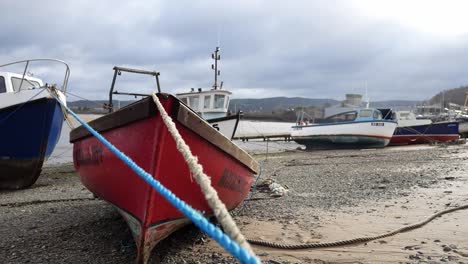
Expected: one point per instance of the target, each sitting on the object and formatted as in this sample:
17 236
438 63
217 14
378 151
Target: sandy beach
333 195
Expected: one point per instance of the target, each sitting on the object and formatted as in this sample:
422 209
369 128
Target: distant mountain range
256 105
395 104
456 95
277 103
92 106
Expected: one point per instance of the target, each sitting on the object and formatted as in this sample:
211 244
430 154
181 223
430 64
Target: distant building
351 102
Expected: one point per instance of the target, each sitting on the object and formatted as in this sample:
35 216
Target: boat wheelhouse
209 104
213 104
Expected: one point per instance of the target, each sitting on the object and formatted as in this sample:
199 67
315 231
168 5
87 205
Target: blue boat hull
436 132
28 135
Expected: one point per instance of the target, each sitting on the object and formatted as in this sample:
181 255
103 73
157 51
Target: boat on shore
463 128
212 104
360 128
417 131
30 124
139 131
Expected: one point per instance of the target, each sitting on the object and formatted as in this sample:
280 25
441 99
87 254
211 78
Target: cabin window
227 102
27 84
206 102
377 115
219 101
404 116
366 113
194 102
184 100
2 85
343 117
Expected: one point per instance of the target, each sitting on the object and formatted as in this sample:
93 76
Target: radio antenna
216 57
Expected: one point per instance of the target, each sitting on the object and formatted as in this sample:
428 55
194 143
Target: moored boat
139 131
435 132
30 125
463 128
361 128
415 131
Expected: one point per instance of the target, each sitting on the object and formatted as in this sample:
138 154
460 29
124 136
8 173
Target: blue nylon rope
198 219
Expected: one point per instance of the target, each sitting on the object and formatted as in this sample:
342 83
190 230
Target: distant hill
276 103
456 95
265 105
395 104
95 104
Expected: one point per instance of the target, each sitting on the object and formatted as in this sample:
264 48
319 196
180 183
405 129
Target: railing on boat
118 71
65 79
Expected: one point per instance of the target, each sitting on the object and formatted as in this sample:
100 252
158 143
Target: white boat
408 118
213 104
361 128
463 128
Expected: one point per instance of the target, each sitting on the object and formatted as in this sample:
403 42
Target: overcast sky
317 49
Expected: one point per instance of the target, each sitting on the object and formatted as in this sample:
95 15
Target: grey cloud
303 48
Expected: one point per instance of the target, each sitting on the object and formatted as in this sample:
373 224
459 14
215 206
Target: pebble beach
331 195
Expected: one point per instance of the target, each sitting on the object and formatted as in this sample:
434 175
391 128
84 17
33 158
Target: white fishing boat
212 104
361 128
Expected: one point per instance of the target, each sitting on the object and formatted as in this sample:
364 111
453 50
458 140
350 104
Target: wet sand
333 195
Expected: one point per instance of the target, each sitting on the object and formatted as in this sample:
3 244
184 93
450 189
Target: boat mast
367 97
216 57
465 107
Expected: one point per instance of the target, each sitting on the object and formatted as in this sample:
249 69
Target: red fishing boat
139 132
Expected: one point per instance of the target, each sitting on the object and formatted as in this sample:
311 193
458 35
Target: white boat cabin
408 118
208 104
10 88
11 82
365 114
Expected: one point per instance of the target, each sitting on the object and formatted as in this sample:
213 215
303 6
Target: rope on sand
354 240
211 196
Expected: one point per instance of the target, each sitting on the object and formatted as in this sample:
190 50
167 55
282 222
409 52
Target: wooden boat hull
29 133
344 135
139 132
436 132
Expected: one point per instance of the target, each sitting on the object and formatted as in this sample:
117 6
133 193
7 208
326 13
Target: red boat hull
421 139
148 142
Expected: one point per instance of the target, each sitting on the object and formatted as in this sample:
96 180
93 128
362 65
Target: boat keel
19 173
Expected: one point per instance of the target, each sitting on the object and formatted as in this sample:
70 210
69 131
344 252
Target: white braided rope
211 196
